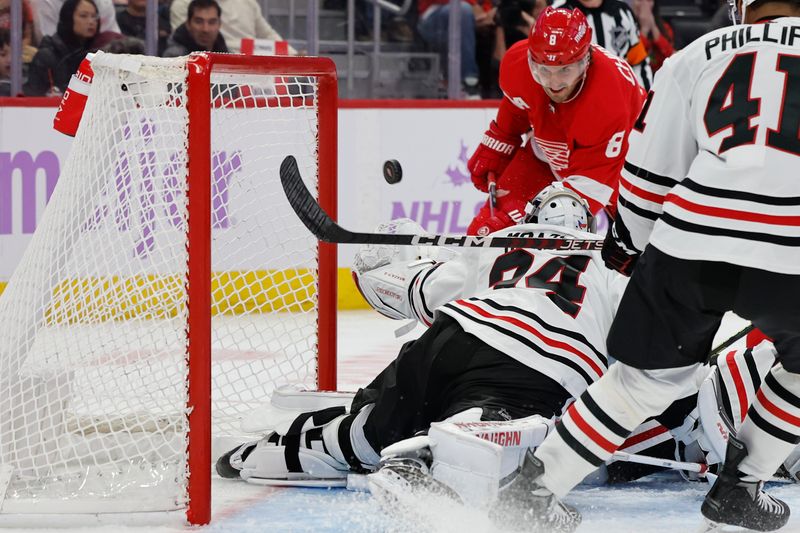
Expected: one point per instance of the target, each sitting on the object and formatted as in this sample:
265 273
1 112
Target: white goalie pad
716 423
474 458
286 403
266 465
792 464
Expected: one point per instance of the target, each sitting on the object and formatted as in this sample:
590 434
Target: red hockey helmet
559 37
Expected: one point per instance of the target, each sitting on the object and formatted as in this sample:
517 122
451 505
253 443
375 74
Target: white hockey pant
599 422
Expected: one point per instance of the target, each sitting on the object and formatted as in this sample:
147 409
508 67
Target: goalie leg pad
270 462
324 444
230 464
726 395
474 458
300 453
286 403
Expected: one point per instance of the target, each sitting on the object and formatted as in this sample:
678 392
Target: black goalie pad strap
314 435
325 416
291 441
347 447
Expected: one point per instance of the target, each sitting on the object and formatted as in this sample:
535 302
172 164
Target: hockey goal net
169 286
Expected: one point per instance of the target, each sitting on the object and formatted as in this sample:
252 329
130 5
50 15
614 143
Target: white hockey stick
700 468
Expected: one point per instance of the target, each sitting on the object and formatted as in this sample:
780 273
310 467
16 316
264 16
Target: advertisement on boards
432 144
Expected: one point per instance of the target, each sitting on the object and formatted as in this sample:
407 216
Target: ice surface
662 503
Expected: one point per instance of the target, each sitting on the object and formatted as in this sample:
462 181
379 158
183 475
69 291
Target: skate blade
432 507
710 526
308 483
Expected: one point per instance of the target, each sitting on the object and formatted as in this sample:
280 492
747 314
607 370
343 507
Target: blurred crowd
633 29
57 34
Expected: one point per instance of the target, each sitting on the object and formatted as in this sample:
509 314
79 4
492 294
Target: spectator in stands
200 32
614 28
132 21
433 25
125 45
60 54
5 63
485 44
46 16
721 17
394 28
515 19
243 20
657 35
27 20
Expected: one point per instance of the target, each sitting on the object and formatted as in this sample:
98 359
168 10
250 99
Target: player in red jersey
576 103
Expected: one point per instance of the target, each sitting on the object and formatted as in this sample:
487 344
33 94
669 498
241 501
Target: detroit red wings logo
556 152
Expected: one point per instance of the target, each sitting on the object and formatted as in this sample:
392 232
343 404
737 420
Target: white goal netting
93 323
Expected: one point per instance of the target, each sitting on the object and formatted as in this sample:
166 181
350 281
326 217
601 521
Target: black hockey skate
732 501
405 489
398 477
525 505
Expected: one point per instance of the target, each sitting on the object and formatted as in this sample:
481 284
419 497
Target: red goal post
168 287
199 103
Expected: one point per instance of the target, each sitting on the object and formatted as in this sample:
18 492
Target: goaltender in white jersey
550 310
512 334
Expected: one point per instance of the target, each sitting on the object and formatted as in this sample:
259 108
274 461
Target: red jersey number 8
614 147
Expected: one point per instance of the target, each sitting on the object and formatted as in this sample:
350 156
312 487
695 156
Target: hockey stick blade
325 229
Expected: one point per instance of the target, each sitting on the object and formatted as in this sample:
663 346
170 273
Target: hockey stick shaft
325 229
492 194
700 468
730 340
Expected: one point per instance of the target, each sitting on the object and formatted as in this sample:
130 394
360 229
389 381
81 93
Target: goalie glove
386 288
374 256
492 155
384 273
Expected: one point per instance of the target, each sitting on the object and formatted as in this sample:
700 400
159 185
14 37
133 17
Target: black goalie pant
447 371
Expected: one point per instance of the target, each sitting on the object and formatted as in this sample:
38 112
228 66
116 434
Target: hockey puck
392 171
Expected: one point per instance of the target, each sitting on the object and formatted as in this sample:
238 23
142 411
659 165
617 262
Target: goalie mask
559 206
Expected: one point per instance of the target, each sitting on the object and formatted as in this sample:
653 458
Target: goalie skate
525 505
405 489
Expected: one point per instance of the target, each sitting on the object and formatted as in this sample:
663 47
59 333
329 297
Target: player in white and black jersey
512 334
614 27
710 192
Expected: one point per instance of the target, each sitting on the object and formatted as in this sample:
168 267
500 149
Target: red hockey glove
492 155
618 251
483 224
